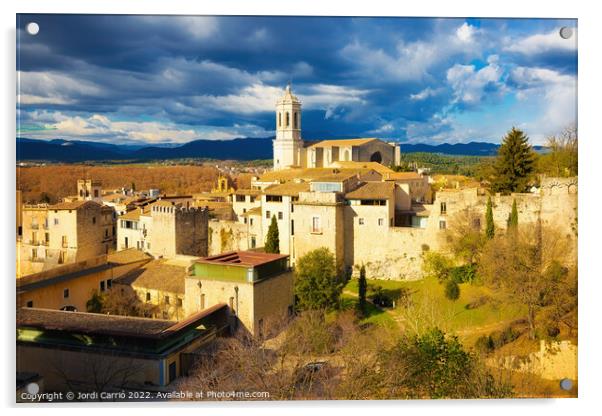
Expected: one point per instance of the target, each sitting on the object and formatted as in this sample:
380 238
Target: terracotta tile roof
364 165
288 189
307 174
252 212
343 142
114 325
91 323
336 177
135 214
400 176
126 256
372 190
247 192
157 275
243 258
71 205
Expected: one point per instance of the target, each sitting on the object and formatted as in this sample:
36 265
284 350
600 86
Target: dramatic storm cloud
160 79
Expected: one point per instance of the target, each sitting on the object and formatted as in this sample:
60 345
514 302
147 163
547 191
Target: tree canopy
272 242
514 165
318 285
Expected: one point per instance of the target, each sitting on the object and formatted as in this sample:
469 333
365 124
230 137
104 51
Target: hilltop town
154 281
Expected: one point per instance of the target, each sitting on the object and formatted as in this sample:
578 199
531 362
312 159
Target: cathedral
291 151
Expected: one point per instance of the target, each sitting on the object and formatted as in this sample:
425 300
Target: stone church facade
291 151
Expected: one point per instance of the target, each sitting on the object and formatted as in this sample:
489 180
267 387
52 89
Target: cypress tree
272 242
513 217
514 164
490 226
362 289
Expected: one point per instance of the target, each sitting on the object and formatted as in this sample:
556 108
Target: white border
590 293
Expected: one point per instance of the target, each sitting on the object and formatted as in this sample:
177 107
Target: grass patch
452 316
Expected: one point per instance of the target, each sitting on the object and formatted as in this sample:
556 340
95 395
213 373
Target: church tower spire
288 142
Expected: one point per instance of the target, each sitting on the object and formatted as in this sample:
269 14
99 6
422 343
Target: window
292 227
34 253
167 300
166 316
109 283
443 208
316 226
102 286
30 304
172 366
65 293
240 198
251 198
148 296
296 120
442 225
360 221
381 222
251 221
61 257
244 210
253 242
179 302
96 193
279 119
126 242
287 119
280 216
245 220
267 215
93 220
64 241
273 198
56 221
202 301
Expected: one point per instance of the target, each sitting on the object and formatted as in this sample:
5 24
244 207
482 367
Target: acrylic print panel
286 208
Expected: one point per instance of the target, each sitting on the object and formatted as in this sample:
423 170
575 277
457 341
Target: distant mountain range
59 150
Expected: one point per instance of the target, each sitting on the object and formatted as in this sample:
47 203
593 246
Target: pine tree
490 226
362 289
272 242
513 216
514 164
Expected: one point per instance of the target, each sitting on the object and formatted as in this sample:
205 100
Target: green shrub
452 290
501 338
463 274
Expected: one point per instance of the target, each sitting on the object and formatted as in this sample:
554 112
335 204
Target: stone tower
89 190
288 143
178 229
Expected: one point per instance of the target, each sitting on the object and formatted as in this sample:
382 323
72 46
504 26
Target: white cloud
101 128
466 32
553 93
542 43
424 94
469 84
52 88
412 60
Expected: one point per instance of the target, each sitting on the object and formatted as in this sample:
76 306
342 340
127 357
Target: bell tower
288 142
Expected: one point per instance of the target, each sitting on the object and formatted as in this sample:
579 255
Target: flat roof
103 324
243 258
343 142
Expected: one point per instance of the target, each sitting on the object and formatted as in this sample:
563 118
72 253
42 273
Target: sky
149 80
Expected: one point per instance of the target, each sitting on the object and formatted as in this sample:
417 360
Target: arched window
287 120
376 157
296 120
279 119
